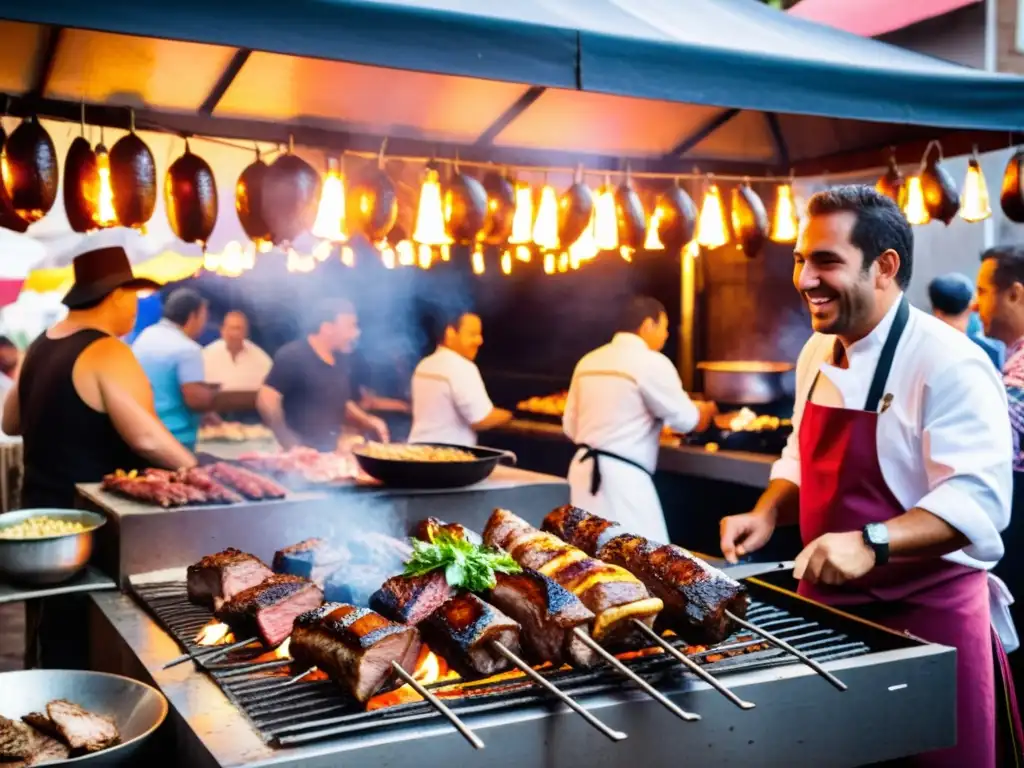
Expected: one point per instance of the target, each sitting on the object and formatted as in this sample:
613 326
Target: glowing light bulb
330 216
653 240
105 215
606 223
549 263
506 263
974 205
712 229
430 229
522 219
478 261
784 227
545 228
914 208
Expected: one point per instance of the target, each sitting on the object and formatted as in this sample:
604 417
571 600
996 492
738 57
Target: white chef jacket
244 373
448 397
944 443
620 397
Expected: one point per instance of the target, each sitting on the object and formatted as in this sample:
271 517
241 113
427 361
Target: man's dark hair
638 309
880 224
1009 264
449 319
951 294
182 304
327 311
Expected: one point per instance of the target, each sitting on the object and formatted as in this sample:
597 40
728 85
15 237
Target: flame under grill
291 713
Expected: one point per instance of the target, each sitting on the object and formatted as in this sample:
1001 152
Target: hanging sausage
749 220
1011 197
291 194
372 205
677 218
81 186
8 218
629 212
30 171
133 178
190 195
501 208
575 209
465 207
941 199
249 202
892 184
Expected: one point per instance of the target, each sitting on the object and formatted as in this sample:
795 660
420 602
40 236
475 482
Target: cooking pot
746 382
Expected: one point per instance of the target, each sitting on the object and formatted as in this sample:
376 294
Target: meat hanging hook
380 155
131 120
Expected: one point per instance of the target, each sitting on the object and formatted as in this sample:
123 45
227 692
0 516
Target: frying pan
435 474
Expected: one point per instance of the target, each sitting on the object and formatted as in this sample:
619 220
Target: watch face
877 533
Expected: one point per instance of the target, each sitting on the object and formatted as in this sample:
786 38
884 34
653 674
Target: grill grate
289 713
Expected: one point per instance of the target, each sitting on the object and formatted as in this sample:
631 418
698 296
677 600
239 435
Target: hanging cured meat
249 202
133 178
1012 196
190 194
465 208
81 186
372 206
677 218
8 218
629 212
575 208
749 220
501 208
291 194
892 184
30 173
941 199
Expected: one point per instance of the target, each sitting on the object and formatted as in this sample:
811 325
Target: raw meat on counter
251 485
696 595
303 464
269 609
148 489
353 646
215 492
219 483
312 559
217 578
463 631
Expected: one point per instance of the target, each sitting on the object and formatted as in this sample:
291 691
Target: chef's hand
743 534
707 410
378 427
834 558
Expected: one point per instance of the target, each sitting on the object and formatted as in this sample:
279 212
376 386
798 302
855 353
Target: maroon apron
842 489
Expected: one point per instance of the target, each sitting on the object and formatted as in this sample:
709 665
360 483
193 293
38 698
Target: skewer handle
439 705
647 688
565 698
301 676
212 652
693 666
777 641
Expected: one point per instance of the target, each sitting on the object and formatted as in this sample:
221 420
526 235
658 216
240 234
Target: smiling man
898 469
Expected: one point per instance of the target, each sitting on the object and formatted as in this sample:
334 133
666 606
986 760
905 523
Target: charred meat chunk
580 528
411 599
80 729
353 646
269 609
548 613
695 594
311 559
426 529
217 578
15 740
464 629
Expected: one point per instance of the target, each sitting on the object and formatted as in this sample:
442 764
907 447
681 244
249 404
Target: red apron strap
1015 731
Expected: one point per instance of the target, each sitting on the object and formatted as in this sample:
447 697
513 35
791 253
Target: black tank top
65 441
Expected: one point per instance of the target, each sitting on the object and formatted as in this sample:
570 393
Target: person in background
9 359
898 468
233 361
620 396
450 403
952 299
82 403
307 398
173 361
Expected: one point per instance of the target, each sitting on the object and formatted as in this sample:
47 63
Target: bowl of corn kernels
46 546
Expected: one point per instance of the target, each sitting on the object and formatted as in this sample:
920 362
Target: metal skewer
542 681
208 653
462 728
649 689
777 641
693 666
301 676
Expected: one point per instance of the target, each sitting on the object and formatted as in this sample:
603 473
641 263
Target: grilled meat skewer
698 598
411 599
217 578
269 609
464 630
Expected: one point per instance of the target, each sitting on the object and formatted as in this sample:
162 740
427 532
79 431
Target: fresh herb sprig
466 565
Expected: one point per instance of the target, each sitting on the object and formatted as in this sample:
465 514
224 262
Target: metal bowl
52 559
137 709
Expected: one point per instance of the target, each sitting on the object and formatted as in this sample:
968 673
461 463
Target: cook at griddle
307 398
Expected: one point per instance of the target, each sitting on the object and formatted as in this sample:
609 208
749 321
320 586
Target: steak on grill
411 599
311 559
269 609
616 596
548 613
217 578
463 630
80 729
581 529
353 646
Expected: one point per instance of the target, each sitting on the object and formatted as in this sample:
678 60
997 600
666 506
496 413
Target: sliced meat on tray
268 610
616 596
80 729
312 559
15 740
463 630
353 646
217 578
696 594
548 614
426 529
251 485
411 599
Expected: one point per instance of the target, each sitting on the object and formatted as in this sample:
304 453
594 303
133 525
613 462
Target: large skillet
434 474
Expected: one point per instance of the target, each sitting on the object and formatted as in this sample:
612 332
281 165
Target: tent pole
687 306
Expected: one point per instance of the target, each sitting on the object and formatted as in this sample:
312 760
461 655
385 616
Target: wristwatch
876 536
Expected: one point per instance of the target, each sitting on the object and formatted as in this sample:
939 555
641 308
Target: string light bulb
653 240
549 263
545 227
506 262
712 228
478 260
522 219
974 203
606 222
430 228
406 253
914 208
785 223
105 215
330 214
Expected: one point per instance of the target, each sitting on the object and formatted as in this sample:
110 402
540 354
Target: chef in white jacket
620 397
898 469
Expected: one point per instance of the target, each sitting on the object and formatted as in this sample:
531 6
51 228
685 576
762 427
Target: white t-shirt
448 395
244 373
